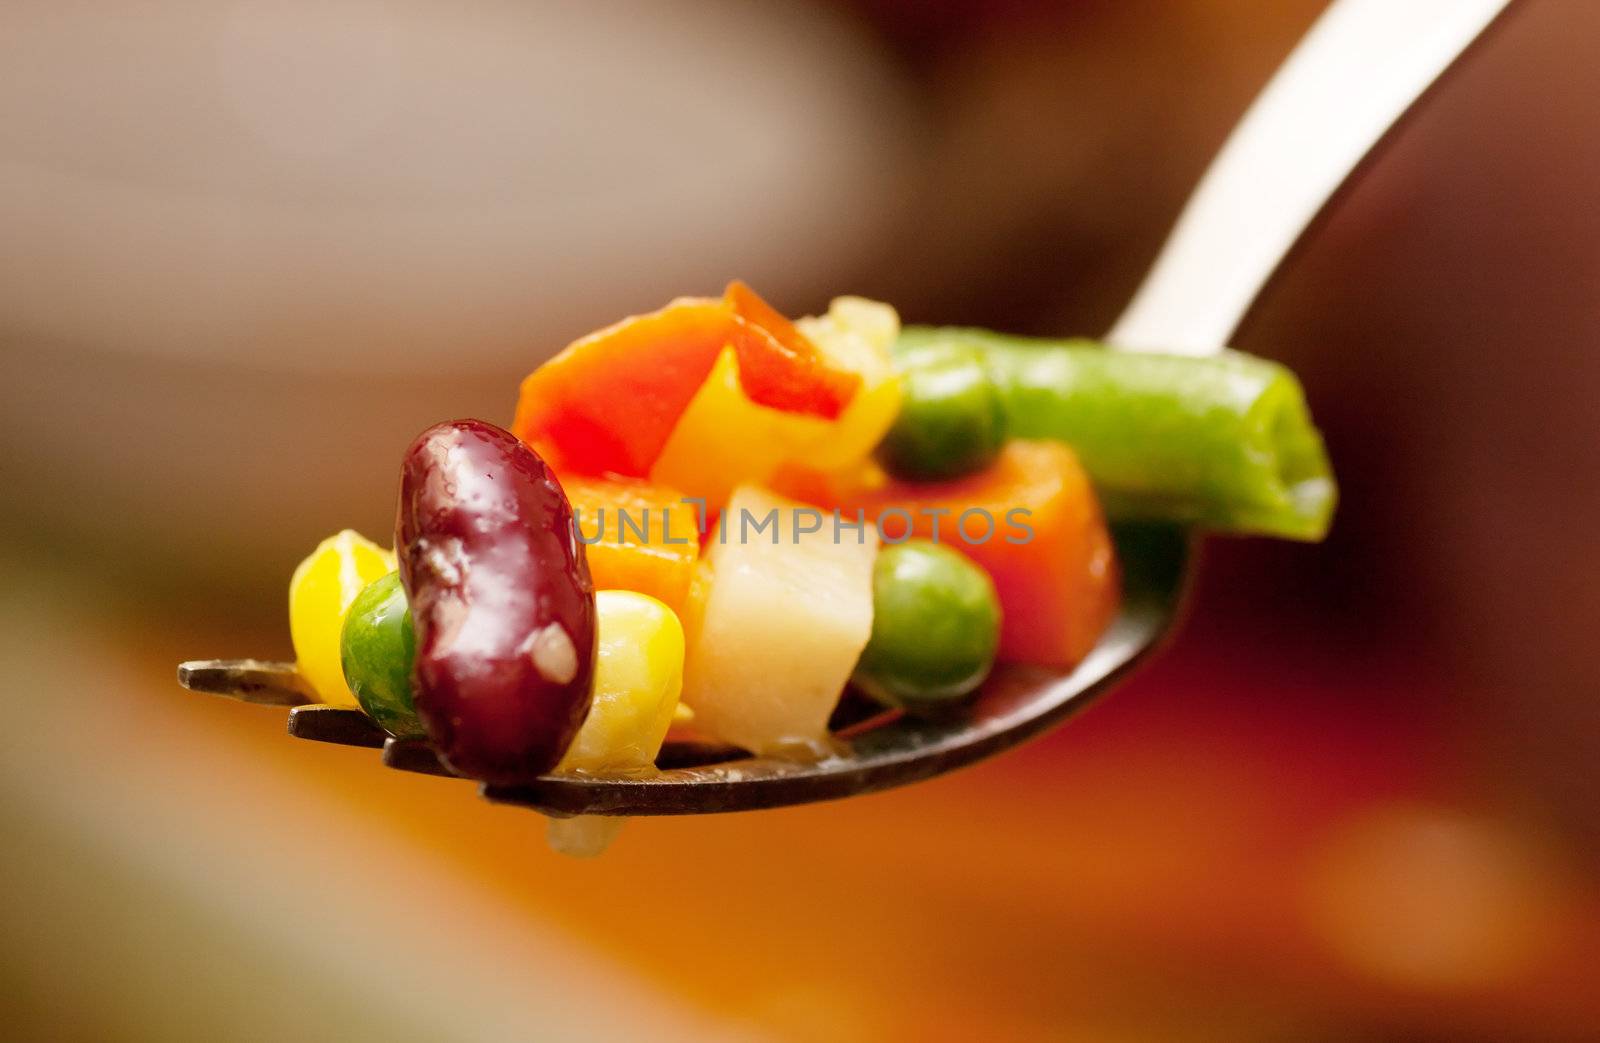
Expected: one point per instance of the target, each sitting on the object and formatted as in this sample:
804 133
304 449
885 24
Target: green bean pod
1224 442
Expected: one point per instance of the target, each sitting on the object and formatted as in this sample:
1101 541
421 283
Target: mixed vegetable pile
713 518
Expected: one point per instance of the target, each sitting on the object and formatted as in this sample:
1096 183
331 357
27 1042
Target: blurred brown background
247 251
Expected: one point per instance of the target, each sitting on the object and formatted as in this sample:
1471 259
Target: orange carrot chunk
639 536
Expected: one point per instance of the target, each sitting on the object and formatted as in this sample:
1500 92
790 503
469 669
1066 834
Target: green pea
952 421
935 627
377 649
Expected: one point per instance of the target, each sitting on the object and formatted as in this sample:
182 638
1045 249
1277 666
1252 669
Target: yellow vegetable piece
856 334
724 439
638 677
320 594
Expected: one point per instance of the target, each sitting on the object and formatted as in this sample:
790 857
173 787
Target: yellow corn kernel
637 679
638 676
320 594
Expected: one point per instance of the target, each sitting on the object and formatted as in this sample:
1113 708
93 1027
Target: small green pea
952 421
935 627
377 649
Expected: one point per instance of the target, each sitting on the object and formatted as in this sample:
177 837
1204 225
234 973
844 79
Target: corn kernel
637 679
320 594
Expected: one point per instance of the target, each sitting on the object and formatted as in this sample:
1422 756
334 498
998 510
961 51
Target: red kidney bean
500 598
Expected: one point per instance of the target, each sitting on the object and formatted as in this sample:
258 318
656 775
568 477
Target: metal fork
1360 67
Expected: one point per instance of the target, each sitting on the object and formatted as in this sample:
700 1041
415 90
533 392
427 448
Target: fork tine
414 755
259 681
337 725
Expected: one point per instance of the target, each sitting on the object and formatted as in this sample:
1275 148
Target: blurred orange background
247 251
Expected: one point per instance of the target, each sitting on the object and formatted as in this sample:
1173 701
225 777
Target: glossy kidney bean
501 602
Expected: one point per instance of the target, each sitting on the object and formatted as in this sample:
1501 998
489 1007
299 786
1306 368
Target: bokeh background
248 250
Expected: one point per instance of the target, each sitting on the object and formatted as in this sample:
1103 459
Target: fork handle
1359 68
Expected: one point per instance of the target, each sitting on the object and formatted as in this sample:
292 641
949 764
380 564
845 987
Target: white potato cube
784 619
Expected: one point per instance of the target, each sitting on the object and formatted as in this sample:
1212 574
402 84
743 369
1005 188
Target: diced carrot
639 536
1031 520
608 403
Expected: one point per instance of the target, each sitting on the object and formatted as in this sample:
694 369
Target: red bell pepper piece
609 401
